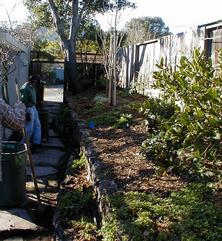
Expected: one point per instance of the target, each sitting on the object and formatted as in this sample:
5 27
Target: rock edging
102 187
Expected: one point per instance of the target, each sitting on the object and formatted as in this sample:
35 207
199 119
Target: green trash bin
12 186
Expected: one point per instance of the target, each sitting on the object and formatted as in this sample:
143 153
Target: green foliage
64 113
109 228
85 228
96 109
101 83
109 118
188 214
156 111
99 114
189 136
145 28
79 163
53 48
124 121
74 202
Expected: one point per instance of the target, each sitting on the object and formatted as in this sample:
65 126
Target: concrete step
53 143
41 171
16 220
48 157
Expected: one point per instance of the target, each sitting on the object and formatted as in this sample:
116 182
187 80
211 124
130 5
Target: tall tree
66 16
142 29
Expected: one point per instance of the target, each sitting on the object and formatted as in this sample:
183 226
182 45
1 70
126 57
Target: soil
120 148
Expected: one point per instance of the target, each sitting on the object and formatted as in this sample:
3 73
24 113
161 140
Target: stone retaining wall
95 167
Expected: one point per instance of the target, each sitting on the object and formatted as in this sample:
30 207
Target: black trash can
12 186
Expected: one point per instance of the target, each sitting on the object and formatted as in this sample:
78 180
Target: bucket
12 186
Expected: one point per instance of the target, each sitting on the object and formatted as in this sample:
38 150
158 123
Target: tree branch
59 24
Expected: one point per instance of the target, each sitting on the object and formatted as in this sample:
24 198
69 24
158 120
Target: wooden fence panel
138 62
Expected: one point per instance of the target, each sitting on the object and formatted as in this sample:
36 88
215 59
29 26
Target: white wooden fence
138 62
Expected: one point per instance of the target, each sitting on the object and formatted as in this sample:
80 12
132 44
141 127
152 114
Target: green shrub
79 163
101 83
189 136
124 121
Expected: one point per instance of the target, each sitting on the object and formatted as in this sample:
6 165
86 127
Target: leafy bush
190 137
109 118
75 202
156 111
101 83
124 121
79 163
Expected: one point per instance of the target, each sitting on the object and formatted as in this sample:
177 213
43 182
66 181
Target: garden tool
29 152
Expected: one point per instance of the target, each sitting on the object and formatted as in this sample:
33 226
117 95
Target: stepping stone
31 187
52 133
47 157
53 142
22 213
12 222
41 171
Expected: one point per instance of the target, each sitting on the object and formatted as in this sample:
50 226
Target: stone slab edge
102 186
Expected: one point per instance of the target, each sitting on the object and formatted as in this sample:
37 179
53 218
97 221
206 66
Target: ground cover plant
163 154
77 206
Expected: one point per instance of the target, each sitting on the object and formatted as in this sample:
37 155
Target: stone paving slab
52 133
53 142
10 221
41 171
31 187
22 213
47 157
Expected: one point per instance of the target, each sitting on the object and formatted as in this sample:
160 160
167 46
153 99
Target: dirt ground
120 149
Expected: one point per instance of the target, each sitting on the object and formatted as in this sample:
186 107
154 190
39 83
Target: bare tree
111 44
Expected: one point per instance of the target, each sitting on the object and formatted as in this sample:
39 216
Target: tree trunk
72 81
69 44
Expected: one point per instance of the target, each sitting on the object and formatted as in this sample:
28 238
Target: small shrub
79 163
124 121
101 83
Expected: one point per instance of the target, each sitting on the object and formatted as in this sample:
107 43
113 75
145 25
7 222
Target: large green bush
189 137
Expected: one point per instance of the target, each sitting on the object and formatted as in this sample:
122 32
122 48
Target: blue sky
176 14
